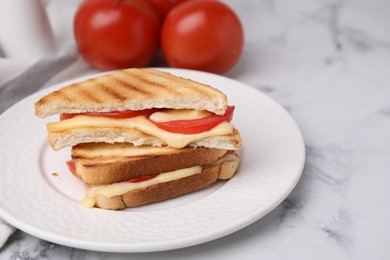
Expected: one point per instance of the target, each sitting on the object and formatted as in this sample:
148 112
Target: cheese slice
120 188
142 124
178 114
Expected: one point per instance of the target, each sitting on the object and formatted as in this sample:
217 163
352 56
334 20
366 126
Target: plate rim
163 245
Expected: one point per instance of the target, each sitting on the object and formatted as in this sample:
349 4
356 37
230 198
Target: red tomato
164 6
72 168
119 114
143 178
195 126
203 35
113 34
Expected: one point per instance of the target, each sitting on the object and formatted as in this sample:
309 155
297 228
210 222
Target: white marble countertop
328 63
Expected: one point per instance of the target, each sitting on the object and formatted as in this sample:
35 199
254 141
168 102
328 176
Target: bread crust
72 137
119 165
168 190
132 89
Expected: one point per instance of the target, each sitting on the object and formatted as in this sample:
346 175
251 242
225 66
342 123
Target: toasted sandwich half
121 175
141 107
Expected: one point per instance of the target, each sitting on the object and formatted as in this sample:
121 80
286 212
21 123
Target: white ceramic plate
40 197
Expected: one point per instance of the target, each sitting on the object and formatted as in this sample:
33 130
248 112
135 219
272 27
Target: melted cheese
178 114
227 158
120 188
142 124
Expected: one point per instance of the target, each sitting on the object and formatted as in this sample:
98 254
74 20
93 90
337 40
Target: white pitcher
25 31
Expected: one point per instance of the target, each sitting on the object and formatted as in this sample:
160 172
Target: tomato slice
72 168
195 126
143 178
115 114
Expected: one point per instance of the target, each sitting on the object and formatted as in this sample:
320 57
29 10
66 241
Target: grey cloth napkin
33 78
6 231
62 66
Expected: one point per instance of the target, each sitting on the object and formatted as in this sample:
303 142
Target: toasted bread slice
102 163
132 89
223 170
72 137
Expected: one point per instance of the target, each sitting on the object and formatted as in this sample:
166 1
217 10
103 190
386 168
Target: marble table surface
328 63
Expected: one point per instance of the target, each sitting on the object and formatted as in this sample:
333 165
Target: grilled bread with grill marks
101 163
132 89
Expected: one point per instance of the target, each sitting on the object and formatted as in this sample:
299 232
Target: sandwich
92 111
121 175
140 136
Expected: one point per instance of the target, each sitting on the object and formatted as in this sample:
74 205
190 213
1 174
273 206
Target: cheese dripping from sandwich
121 188
150 125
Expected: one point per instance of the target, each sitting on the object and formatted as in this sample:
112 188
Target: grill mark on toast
184 82
129 86
159 85
204 92
88 94
110 91
58 95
